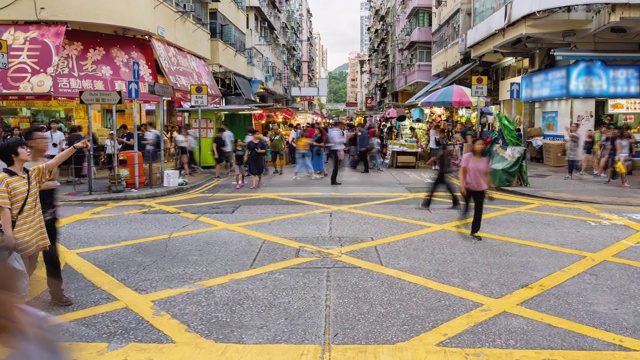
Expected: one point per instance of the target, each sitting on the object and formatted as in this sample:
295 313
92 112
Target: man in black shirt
126 138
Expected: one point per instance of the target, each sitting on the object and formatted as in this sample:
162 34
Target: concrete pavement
305 270
547 183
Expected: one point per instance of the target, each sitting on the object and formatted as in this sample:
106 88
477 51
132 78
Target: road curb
136 195
536 196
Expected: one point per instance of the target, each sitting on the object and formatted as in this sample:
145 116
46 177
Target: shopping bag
620 168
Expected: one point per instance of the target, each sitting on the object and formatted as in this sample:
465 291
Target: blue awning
592 55
424 90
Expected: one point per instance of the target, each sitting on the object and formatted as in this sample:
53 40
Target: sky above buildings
338 22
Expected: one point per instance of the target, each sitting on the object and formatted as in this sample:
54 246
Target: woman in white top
433 144
182 144
110 151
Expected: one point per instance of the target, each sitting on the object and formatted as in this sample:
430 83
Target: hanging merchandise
391 113
401 115
417 114
508 130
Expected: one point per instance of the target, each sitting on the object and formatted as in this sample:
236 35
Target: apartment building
320 64
357 78
380 60
364 26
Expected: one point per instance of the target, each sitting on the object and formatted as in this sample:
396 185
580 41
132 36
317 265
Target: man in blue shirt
363 149
126 138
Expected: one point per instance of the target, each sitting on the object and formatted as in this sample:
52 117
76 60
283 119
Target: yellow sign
4 48
199 89
479 80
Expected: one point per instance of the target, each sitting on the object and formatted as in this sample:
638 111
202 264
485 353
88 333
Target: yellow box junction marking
193 346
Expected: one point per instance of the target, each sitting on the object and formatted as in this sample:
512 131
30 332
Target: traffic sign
4 54
160 89
480 80
136 70
133 89
101 97
514 90
478 90
199 95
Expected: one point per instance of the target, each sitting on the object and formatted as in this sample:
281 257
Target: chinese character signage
583 79
94 61
369 102
32 58
183 69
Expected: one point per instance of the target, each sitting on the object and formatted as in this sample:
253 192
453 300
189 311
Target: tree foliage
337 87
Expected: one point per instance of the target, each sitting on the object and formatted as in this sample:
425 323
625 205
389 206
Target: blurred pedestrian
474 182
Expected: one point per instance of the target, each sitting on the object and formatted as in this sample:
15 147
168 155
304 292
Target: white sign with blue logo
133 89
514 90
583 79
135 67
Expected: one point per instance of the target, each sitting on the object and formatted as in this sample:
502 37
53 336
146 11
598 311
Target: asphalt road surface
305 270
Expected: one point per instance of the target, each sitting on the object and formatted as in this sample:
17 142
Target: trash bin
126 167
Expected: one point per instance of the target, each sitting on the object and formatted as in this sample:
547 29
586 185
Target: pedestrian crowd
608 152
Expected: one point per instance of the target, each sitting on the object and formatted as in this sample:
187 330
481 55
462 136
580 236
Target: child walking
238 163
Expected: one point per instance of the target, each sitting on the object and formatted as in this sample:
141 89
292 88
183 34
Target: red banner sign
32 57
307 98
95 61
369 102
183 70
351 104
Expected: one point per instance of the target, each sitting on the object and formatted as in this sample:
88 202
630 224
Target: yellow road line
134 301
578 328
167 293
145 240
456 326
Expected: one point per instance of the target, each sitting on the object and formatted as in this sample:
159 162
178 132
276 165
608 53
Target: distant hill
343 67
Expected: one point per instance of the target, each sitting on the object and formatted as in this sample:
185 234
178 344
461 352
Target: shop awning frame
422 93
245 87
592 55
458 73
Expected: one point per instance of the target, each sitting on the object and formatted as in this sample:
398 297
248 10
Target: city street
305 270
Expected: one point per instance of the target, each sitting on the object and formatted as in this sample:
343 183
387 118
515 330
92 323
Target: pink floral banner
95 61
33 52
183 70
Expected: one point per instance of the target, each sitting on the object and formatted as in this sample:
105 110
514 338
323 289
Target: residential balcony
413 5
419 35
420 72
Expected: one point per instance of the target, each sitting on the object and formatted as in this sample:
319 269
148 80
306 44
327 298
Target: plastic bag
15 261
620 168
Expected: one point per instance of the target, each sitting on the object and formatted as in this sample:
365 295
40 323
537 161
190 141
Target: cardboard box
554 153
534 132
157 176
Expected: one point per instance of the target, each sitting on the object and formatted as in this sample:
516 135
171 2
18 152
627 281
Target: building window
484 9
424 54
447 34
221 28
421 18
241 4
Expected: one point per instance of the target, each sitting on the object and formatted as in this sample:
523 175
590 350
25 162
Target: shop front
582 93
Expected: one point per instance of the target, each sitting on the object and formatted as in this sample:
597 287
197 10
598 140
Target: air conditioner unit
188 7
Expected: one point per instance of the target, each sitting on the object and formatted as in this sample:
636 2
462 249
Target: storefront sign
584 79
351 104
597 79
545 85
623 106
306 98
32 58
183 69
53 104
95 61
369 102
